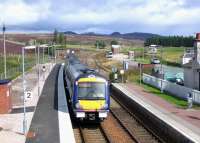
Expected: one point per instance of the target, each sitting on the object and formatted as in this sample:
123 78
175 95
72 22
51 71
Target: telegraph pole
24 100
4 50
38 50
162 73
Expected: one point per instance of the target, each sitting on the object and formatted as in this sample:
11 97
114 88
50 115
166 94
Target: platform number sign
28 95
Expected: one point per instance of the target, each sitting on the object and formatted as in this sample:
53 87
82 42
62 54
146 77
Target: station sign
28 95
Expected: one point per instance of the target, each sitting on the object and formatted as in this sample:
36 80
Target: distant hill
134 35
93 34
70 33
115 34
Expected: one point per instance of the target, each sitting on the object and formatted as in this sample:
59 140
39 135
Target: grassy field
125 49
14 65
171 55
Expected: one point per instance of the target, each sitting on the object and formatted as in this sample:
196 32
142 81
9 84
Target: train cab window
91 90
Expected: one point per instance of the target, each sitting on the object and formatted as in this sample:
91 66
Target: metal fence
15 71
172 88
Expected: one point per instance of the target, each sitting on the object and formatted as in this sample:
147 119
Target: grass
14 64
127 48
170 98
143 60
180 103
134 77
83 46
171 55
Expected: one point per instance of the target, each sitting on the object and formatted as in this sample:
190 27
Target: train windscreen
91 90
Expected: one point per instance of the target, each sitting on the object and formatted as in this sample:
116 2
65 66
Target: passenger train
88 90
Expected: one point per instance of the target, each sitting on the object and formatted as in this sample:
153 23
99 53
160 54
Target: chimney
197 48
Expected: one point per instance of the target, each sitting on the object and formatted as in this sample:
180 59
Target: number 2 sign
28 95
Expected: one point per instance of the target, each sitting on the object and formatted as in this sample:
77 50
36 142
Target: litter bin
5 97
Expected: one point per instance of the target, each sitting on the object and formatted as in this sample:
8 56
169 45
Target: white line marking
65 126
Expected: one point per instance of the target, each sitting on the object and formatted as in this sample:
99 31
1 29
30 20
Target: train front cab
91 98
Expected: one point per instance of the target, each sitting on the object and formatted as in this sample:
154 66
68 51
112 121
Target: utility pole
24 100
143 53
162 77
43 55
35 43
140 73
38 48
4 50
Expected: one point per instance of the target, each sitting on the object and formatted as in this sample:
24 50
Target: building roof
115 46
153 46
188 55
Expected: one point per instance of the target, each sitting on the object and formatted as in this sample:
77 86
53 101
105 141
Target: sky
165 17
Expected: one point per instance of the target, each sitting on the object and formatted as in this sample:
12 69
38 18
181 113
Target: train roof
77 68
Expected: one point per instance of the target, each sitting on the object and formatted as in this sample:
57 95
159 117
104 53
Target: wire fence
13 71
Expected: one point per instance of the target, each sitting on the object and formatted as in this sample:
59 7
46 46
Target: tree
55 36
100 44
174 41
61 38
113 42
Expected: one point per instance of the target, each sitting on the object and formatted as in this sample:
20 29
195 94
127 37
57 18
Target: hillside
134 35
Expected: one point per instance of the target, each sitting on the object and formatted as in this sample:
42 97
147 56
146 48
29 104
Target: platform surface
162 110
51 122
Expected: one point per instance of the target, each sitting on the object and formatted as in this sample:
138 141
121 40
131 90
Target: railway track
121 125
130 123
109 131
89 133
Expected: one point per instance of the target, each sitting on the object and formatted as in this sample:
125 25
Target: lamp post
24 102
161 70
35 43
38 48
43 55
4 51
140 73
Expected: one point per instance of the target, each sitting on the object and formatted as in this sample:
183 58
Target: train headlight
105 106
78 106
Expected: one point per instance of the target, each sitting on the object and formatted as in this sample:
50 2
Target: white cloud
96 14
15 12
153 12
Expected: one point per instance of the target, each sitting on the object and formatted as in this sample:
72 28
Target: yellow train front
89 91
91 97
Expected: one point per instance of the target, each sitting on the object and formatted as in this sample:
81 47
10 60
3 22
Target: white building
188 56
115 49
192 68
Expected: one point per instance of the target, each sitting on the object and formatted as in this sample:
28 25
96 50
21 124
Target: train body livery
88 90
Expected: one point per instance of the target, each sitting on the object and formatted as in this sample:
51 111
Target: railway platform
184 121
51 122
